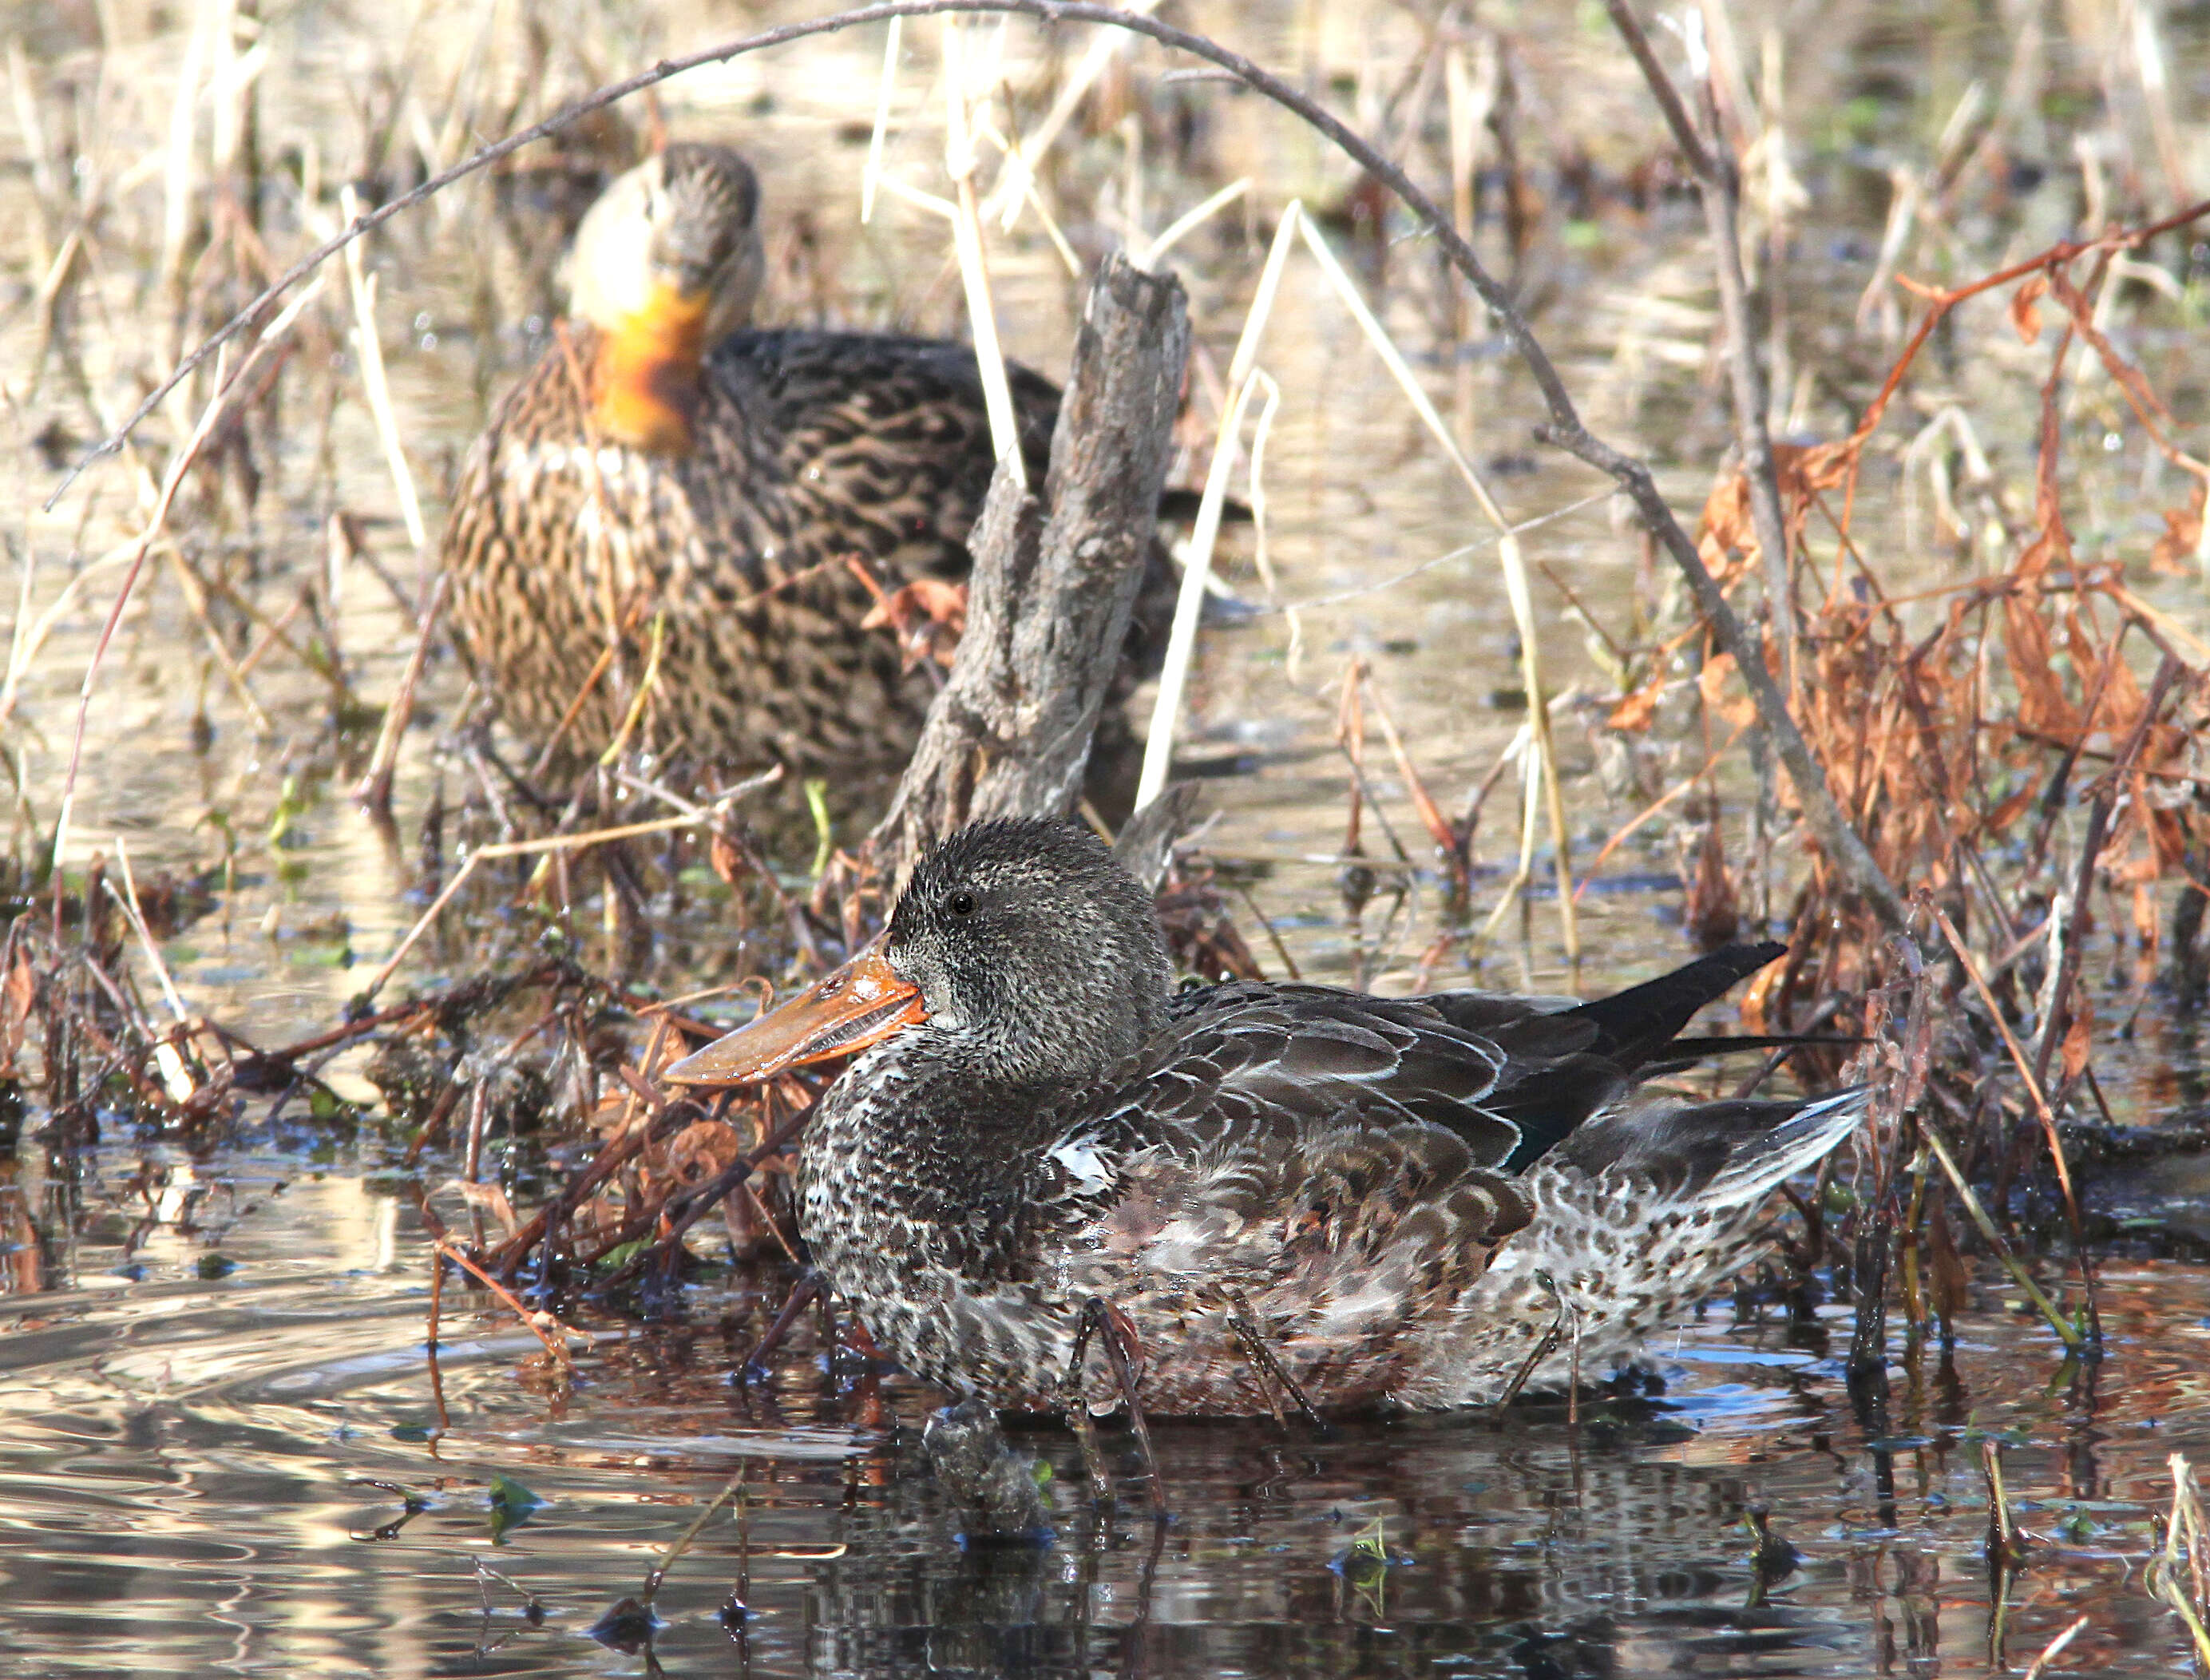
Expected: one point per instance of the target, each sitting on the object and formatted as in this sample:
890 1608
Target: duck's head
1021 954
666 261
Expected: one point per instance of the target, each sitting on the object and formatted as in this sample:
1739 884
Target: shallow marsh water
214 1399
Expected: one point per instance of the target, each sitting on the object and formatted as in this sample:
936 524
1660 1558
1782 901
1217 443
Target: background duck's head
1021 953
667 261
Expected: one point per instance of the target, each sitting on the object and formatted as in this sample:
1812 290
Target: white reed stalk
966 244
129 900
873 172
1016 182
1190 218
1260 554
1538 716
934 203
172 479
1182 643
1508 549
988 130
1524 749
371 375
177 169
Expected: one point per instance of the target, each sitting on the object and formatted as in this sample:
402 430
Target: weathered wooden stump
1055 576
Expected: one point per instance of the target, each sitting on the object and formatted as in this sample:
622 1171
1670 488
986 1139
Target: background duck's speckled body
808 447
664 465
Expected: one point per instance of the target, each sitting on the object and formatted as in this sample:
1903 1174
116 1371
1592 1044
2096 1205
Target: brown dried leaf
2026 308
2000 819
17 993
1638 710
2078 1034
489 1197
1756 1007
2144 924
700 1151
1727 530
927 615
1806 468
1711 683
2042 704
727 859
2174 551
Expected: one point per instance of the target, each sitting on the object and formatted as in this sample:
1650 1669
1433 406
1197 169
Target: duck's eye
962 903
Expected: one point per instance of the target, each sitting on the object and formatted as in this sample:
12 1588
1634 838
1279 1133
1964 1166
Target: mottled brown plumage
1375 1187
659 467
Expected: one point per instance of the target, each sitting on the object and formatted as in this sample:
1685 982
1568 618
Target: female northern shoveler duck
1364 1193
662 463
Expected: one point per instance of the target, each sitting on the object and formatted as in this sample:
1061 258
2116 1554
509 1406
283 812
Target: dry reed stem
646 683
1514 567
1052 230
172 480
1524 751
1255 490
374 788
1718 180
195 597
378 388
31 633
2050 1651
1018 180
1431 816
129 900
531 1321
682 1543
1651 810
1188 221
959 161
557 842
2041 1108
2185 1530
871 174
1181 639
2067 1332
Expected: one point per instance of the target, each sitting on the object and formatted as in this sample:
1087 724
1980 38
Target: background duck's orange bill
861 1004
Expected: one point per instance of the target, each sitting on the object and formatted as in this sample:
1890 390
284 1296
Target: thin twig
375 788
2041 1108
2067 1332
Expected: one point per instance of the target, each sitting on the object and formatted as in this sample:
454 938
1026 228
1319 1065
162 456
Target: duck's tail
1714 1157
1634 1025
1638 1215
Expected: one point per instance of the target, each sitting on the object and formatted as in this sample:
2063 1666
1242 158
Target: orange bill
861 1004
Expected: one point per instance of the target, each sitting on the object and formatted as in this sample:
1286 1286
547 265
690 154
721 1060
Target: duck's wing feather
1239 1059
1565 1063
1287 1138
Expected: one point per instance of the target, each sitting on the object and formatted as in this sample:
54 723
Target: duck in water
668 476
1254 1193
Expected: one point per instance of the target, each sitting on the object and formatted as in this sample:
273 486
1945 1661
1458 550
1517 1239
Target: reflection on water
247 1475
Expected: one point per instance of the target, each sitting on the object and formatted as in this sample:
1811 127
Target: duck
1254 1193
672 493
